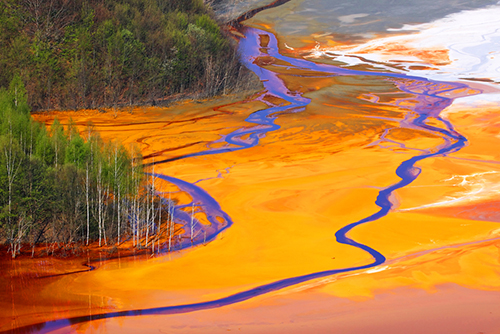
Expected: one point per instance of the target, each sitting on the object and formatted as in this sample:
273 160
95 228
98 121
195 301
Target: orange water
287 197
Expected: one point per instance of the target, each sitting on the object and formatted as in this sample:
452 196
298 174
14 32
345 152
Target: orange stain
287 198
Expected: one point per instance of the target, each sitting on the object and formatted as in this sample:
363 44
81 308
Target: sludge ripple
429 102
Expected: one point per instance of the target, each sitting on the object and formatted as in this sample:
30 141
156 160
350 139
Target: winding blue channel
202 201
430 104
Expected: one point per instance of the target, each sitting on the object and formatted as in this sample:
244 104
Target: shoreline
288 197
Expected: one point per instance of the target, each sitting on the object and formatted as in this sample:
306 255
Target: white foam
377 269
349 19
483 100
476 187
471 37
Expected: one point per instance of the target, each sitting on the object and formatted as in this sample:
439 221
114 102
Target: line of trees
86 54
57 187
60 186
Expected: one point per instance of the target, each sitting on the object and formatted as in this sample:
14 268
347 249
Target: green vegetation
57 187
86 54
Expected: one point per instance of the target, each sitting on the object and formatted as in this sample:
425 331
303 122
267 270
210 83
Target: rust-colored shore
287 197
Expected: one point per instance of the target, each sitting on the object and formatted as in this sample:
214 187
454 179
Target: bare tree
100 201
12 164
117 173
18 233
87 193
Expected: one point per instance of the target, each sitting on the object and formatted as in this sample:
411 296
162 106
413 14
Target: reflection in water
425 102
357 21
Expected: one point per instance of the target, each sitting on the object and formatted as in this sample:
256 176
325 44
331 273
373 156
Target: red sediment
421 68
432 56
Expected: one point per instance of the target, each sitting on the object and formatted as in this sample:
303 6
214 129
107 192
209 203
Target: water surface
343 187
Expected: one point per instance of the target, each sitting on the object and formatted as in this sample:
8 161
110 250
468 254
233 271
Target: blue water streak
430 104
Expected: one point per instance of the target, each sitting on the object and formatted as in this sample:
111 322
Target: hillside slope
86 54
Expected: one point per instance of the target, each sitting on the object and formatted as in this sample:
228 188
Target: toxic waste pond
356 193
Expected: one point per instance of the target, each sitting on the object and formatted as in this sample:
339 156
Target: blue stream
429 104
